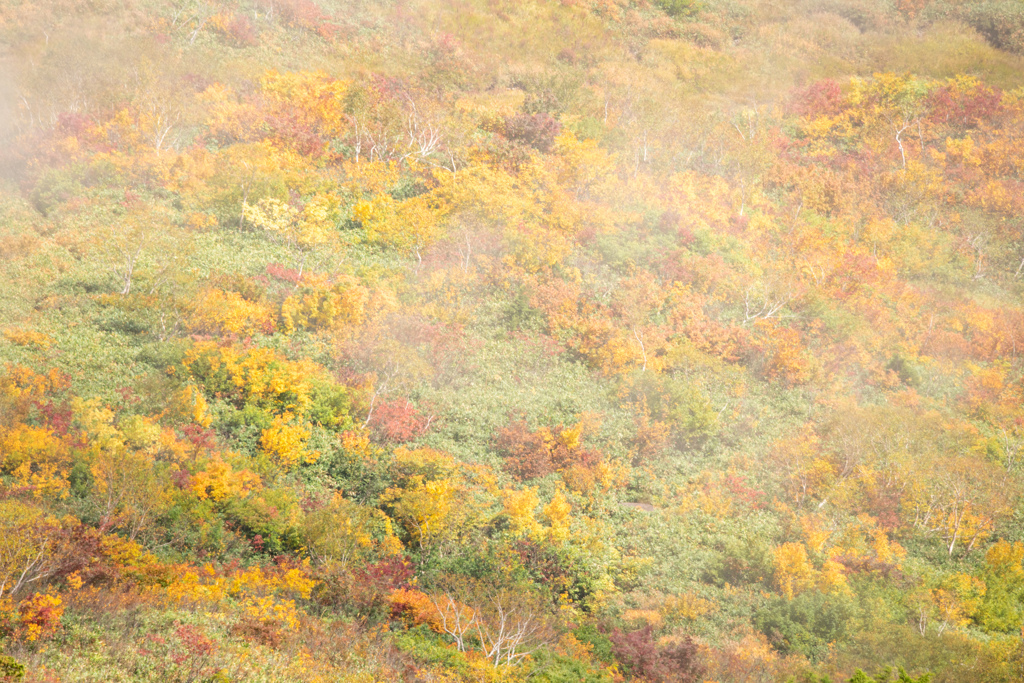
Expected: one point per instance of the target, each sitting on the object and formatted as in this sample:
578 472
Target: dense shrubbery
543 341
1001 22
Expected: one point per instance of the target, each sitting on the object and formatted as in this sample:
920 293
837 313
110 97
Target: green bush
740 561
908 371
11 669
805 625
601 645
55 187
680 8
1001 22
885 675
331 405
267 516
549 667
426 646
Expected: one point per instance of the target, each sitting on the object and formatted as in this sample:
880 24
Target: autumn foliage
511 341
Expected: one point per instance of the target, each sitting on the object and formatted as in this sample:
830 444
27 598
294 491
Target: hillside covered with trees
511 340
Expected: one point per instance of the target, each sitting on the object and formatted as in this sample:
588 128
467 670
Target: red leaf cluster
398 421
528 454
643 658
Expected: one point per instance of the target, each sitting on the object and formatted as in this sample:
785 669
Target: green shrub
268 517
805 625
740 561
601 645
549 667
11 669
1001 22
428 647
680 8
885 675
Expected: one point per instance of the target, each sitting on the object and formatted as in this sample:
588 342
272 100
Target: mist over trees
494 340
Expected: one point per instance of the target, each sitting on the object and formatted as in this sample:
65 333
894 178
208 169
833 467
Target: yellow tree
952 603
285 442
959 500
309 228
141 240
29 546
342 532
558 515
219 480
35 457
317 99
426 508
519 507
807 474
793 571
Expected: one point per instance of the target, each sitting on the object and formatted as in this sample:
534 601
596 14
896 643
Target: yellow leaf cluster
794 573
344 531
23 337
312 225
40 615
27 445
519 507
21 386
318 96
190 404
206 585
344 304
217 311
583 165
226 115
428 462
285 442
886 550
557 513
259 375
955 601
26 537
271 610
140 433
35 457
1006 560
220 481
125 553
536 216
687 606
358 443
646 616
272 215
97 421
425 508
407 224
